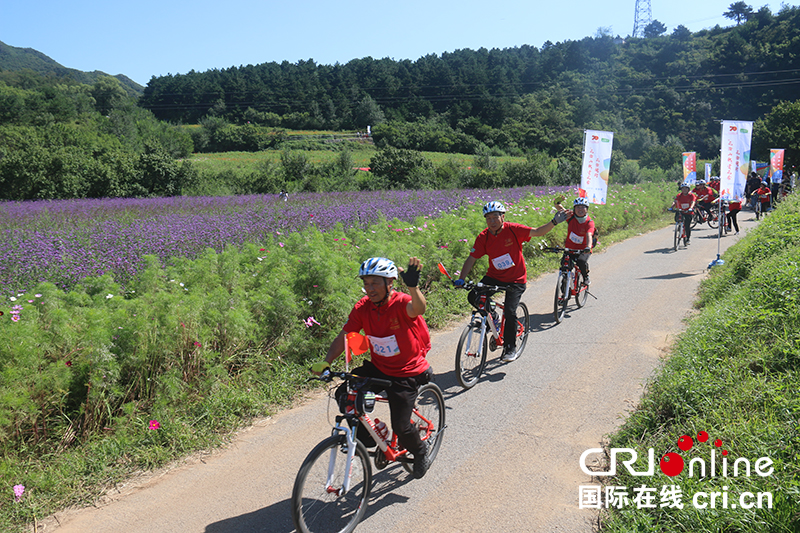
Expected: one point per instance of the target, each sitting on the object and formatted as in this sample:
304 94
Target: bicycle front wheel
561 298
677 236
696 217
319 502
713 221
470 355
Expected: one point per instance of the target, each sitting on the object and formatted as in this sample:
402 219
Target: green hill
14 59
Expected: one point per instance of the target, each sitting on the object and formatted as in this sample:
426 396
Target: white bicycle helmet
581 201
378 266
493 207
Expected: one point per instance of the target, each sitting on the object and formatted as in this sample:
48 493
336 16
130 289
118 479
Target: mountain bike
569 282
485 332
680 229
702 216
332 487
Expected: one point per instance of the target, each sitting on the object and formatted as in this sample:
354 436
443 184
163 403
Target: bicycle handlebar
566 250
327 376
468 285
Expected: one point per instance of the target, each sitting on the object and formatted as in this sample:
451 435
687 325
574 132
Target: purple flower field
65 241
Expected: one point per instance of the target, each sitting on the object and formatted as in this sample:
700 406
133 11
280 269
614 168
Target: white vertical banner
735 158
596 165
708 172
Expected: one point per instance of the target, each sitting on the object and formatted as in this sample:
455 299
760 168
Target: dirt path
509 461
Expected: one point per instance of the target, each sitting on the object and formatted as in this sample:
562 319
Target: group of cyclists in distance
704 197
393 321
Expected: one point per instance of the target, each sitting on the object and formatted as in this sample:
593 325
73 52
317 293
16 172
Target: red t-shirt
706 194
506 262
715 185
735 206
578 234
685 201
765 191
398 344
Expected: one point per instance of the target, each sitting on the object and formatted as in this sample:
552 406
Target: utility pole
641 18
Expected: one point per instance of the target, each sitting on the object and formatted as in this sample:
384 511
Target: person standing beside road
399 341
733 210
502 242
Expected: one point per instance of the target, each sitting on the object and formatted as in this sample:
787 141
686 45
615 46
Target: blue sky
145 39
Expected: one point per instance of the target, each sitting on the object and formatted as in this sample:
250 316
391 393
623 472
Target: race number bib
384 346
574 237
684 206
503 262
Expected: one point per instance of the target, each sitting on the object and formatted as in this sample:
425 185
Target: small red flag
356 345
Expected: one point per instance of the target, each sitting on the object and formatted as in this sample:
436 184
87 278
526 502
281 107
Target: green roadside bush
735 374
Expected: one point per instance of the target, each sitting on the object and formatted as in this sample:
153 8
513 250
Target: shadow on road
676 275
277 518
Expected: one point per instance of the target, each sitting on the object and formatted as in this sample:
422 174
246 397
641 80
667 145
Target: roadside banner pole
734 163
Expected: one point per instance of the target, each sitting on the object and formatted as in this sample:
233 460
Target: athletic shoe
422 461
509 356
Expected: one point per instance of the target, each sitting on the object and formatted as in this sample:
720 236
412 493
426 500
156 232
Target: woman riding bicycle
399 341
502 242
580 235
685 203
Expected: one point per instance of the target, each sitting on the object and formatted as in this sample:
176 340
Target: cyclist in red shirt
580 235
502 242
685 203
764 195
399 342
705 196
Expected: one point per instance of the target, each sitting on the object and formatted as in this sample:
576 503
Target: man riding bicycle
705 197
502 242
685 203
399 340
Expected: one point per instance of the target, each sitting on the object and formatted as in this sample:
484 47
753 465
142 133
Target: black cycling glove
411 276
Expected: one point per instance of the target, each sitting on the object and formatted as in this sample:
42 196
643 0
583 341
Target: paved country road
510 457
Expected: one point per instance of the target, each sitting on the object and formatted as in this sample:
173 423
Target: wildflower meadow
136 331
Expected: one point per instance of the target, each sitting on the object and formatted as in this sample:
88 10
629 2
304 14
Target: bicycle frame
390 449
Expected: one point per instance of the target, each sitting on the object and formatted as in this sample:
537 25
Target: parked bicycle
332 487
680 228
484 334
569 283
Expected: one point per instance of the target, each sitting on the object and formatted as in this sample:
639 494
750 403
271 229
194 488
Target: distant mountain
12 58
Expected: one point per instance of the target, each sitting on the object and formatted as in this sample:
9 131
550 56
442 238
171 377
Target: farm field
251 161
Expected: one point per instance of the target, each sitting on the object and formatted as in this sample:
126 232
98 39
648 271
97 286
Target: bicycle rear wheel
522 327
581 290
470 355
429 417
561 298
319 506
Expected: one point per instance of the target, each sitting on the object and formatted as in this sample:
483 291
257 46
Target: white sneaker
509 356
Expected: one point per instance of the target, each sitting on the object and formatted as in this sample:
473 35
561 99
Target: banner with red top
596 165
735 158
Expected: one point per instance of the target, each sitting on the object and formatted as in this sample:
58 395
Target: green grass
734 374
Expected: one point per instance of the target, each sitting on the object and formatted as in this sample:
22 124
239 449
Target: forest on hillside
661 95
669 88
